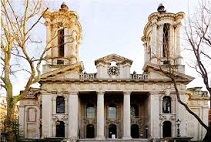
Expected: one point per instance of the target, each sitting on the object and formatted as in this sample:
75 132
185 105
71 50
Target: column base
126 137
100 138
70 140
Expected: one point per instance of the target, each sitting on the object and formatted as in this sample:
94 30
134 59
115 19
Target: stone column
126 116
100 116
73 115
177 43
154 126
153 42
48 38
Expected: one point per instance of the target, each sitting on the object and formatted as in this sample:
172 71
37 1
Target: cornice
56 14
77 67
156 17
94 81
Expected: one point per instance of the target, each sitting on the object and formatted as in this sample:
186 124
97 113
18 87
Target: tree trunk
9 123
207 137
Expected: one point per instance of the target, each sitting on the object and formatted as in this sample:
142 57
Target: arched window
167 129
90 131
134 111
60 129
166 104
112 131
134 131
61 42
166 38
60 104
90 111
112 111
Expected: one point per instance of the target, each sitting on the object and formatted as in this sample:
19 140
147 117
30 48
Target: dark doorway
112 130
60 129
167 129
90 131
134 131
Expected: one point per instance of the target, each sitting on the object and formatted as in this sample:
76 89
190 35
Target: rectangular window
112 111
61 42
166 36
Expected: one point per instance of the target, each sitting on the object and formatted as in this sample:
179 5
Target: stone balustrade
92 76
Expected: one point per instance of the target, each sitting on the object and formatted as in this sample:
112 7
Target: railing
139 76
134 76
87 76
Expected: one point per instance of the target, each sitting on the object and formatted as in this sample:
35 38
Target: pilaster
73 115
47 121
154 128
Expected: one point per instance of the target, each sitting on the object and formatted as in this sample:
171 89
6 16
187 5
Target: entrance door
167 129
60 129
90 131
112 130
134 131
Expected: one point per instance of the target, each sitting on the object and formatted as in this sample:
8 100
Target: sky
114 26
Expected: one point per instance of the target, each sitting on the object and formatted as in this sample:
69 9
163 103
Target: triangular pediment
70 71
113 58
155 73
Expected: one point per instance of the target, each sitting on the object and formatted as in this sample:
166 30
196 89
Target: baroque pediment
155 73
70 71
113 58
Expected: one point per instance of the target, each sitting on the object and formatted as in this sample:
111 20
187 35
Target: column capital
100 92
73 93
155 92
127 92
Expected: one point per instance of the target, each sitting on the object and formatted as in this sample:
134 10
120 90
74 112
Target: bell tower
161 38
63 36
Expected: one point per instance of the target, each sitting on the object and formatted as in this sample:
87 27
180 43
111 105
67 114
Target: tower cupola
63 35
161 37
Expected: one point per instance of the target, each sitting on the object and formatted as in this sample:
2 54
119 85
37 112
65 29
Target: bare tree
17 25
198 33
198 37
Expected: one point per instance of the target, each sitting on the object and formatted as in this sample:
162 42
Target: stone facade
111 103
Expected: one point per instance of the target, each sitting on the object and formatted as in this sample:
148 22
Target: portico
110 113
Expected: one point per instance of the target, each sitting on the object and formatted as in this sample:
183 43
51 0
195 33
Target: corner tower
161 37
63 37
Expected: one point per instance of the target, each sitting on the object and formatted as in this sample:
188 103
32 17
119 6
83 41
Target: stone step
115 140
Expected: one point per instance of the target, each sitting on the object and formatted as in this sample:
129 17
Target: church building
112 103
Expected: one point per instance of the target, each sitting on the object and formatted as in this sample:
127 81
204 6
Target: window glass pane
61 42
134 111
112 111
90 111
60 104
